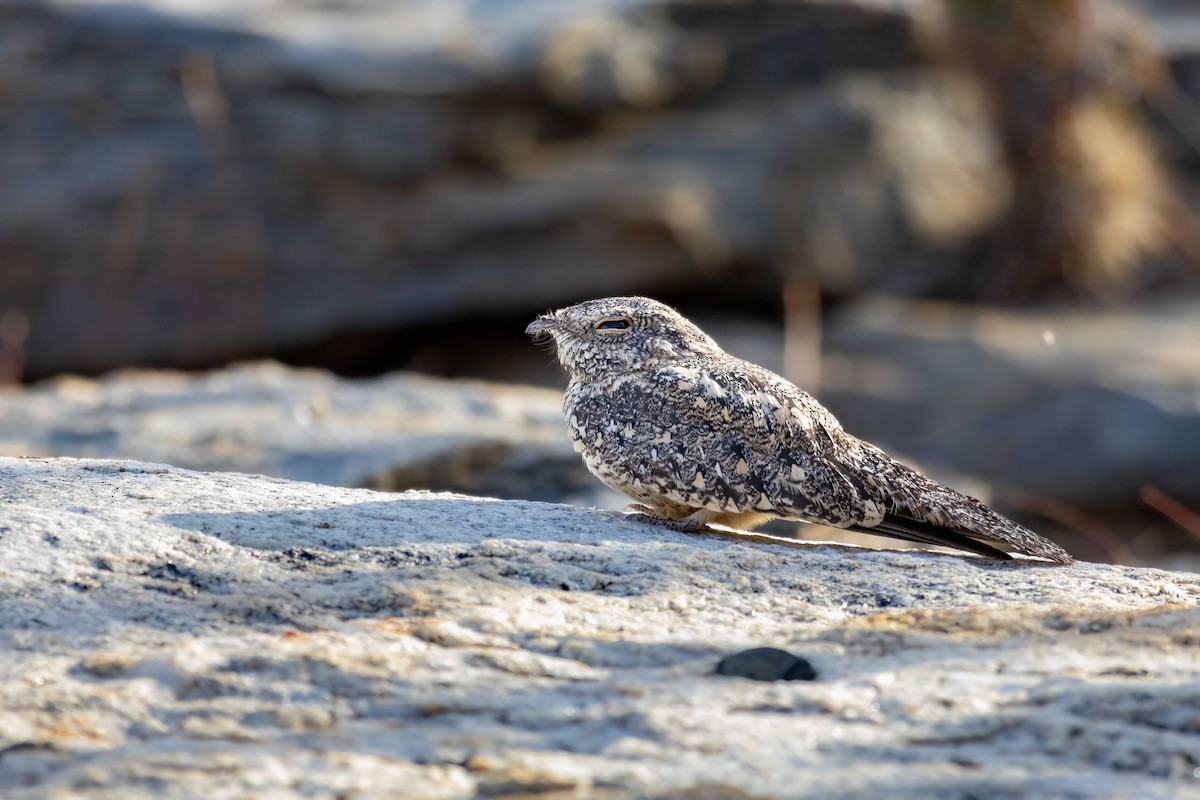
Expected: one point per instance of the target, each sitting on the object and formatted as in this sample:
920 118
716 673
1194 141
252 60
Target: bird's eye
613 324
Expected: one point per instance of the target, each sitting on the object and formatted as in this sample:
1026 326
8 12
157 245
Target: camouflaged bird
660 412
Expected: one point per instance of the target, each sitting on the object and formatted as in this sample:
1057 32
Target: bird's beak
543 324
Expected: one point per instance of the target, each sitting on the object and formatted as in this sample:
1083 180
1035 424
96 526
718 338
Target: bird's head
619 335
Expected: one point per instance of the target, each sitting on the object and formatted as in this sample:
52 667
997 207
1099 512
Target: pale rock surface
396 431
166 632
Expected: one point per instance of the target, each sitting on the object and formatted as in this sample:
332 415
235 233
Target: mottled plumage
660 412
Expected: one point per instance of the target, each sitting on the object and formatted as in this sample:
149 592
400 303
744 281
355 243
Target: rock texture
173 632
395 432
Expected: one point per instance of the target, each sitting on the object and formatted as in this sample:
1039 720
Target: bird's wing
771 447
729 436
726 436
893 499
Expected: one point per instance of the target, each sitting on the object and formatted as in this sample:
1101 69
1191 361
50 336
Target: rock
882 170
186 187
604 63
833 184
766 664
395 432
172 632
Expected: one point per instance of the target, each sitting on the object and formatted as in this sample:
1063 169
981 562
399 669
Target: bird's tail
918 506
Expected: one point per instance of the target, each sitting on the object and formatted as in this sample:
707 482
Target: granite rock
167 631
395 432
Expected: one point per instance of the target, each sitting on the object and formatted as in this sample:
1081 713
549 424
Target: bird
697 437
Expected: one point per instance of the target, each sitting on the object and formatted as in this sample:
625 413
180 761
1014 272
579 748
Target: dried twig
1172 509
1085 525
802 334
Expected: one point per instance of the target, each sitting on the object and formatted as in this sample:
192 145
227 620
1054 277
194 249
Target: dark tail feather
912 530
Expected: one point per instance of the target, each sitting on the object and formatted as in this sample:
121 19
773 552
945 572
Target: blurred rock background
970 227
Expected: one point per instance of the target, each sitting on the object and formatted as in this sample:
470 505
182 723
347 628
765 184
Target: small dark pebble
766 664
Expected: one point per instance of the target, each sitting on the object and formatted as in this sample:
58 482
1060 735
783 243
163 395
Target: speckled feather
660 412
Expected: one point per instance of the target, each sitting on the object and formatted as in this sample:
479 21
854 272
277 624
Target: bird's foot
646 514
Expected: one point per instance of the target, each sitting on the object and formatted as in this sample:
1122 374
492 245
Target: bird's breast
652 439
